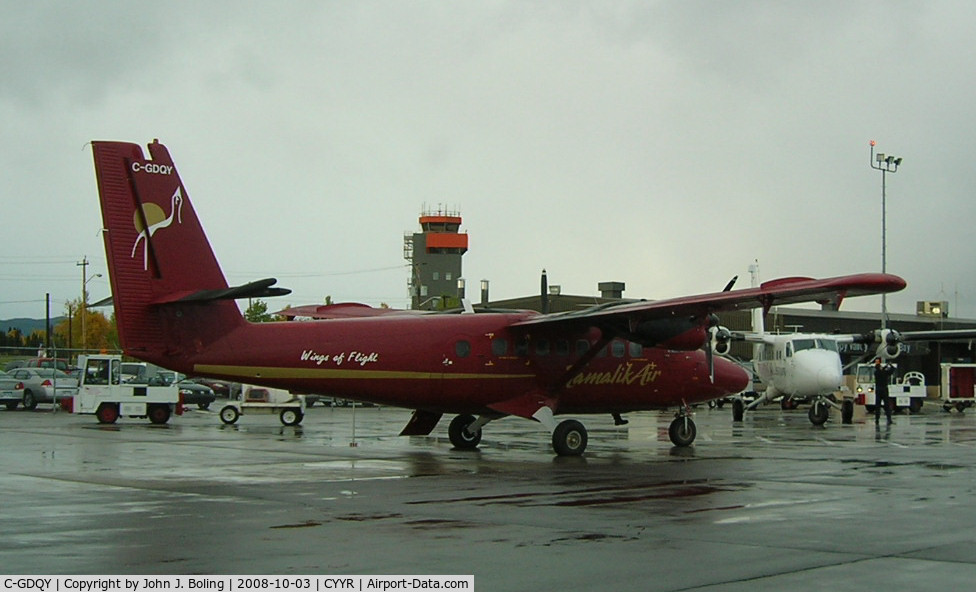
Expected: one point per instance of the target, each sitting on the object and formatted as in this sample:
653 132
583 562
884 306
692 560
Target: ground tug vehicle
101 392
907 392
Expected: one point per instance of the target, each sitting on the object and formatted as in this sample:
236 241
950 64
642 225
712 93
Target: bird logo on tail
150 217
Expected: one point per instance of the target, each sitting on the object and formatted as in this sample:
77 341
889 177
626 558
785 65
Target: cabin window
617 348
542 347
462 348
522 347
499 346
582 346
636 350
828 344
562 347
789 350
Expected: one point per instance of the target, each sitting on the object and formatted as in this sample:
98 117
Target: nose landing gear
682 430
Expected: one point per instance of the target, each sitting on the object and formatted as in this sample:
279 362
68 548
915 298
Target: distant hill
28 326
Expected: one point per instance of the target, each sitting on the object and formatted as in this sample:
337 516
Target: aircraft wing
888 341
661 322
938 335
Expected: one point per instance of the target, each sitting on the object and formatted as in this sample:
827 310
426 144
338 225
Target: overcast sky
662 144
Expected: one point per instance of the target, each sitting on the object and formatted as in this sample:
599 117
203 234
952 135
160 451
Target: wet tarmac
771 503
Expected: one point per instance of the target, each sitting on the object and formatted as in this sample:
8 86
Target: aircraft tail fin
758 314
164 274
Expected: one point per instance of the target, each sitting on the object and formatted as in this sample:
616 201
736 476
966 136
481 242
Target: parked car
38 385
221 388
14 364
60 363
9 393
137 372
191 392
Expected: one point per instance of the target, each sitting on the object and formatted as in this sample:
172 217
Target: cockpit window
814 343
802 344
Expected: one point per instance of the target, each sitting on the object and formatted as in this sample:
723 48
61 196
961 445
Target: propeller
719 342
719 337
890 344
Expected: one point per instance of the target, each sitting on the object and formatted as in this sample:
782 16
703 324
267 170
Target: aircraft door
461 364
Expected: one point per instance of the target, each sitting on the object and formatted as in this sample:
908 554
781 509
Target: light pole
886 164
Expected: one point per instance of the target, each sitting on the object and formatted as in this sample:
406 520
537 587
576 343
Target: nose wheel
682 430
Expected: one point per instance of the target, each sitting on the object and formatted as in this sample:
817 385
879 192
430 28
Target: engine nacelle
720 340
889 347
685 334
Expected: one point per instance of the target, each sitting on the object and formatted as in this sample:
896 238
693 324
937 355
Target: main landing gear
569 437
818 414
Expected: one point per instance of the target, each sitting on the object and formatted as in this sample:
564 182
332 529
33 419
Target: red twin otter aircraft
174 308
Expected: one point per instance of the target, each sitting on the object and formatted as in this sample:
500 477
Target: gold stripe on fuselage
334 374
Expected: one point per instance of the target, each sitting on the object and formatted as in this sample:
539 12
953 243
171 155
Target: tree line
96 332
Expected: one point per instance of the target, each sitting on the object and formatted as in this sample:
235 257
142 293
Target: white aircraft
808 365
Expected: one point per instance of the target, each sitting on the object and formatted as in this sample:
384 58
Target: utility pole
84 299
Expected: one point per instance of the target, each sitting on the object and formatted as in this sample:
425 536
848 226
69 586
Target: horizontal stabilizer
257 289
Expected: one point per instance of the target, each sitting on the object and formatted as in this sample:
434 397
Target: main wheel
459 434
819 412
291 417
683 431
569 438
229 414
738 410
107 413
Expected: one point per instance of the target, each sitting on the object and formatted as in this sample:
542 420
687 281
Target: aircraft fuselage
456 363
801 365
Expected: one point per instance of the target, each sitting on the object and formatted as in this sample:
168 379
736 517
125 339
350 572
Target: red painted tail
166 281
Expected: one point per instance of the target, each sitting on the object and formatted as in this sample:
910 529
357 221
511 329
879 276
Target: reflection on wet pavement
772 499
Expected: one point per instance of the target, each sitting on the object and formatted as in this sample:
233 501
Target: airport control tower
435 259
